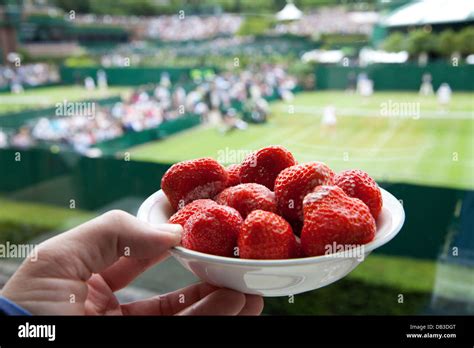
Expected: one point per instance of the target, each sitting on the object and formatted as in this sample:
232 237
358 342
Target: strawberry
294 183
332 219
213 230
263 166
187 181
265 235
246 198
233 175
182 215
358 184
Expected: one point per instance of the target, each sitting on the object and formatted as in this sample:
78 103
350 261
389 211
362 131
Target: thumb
98 244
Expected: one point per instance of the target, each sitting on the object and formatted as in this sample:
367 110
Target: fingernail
170 228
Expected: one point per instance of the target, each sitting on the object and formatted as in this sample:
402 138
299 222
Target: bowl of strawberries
271 226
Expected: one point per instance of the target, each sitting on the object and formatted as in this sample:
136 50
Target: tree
465 41
446 43
420 41
395 42
255 25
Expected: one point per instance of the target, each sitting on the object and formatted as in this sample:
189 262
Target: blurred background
99 97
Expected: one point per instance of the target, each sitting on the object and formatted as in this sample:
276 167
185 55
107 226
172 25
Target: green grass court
48 96
433 147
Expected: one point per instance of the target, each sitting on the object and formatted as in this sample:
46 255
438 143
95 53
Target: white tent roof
431 12
289 13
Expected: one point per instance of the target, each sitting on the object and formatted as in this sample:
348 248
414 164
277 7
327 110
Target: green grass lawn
22 221
49 96
351 297
433 147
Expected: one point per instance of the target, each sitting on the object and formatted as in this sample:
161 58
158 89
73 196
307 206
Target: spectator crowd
176 28
17 77
224 97
184 27
330 20
179 27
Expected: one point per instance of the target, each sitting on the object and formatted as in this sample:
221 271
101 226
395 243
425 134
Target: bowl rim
390 204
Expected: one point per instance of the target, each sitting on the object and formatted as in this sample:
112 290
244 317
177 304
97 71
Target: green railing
165 129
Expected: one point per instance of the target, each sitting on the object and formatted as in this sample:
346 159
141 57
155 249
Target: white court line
26 100
416 158
367 159
385 138
301 135
364 149
448 115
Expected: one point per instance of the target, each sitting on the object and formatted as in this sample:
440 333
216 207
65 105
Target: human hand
77 273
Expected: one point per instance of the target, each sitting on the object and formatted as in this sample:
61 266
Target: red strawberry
358 184
247 198
295 182
213 231
263 166
332 218
233 175
187 181
265 235
197 206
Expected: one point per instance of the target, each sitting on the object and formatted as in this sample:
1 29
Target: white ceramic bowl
275 277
